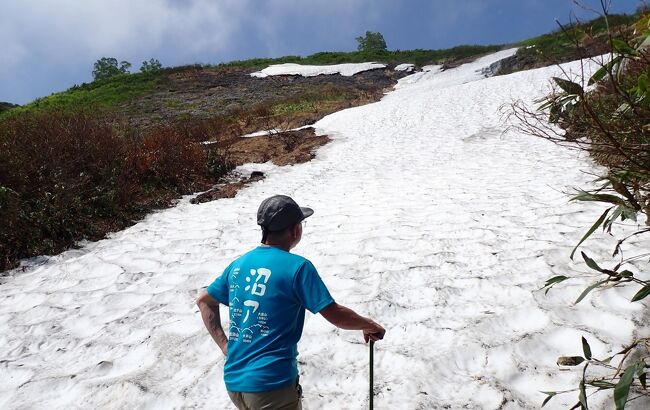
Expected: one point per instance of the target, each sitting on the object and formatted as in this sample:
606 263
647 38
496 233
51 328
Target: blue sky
49 45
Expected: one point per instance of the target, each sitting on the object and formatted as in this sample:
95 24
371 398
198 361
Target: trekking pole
372 393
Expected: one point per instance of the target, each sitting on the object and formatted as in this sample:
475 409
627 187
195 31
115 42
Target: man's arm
347 319
209 308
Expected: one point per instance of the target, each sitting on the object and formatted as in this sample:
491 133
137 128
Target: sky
50 45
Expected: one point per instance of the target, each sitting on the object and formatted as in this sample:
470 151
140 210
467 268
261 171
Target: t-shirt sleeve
219 288
310 290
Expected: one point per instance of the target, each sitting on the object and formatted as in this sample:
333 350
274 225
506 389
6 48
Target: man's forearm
212 321
346 318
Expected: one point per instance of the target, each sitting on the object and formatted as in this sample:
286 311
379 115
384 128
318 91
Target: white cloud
82 30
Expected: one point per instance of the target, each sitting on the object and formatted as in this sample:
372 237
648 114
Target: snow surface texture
348 70
405 67
429 219
274 132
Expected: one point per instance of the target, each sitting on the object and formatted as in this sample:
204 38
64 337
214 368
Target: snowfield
347 70
405 67
429 217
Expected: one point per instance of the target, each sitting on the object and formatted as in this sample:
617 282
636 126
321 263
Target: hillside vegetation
608 116
96 157
569 43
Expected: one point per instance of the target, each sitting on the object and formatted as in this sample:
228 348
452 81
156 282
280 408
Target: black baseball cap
279 212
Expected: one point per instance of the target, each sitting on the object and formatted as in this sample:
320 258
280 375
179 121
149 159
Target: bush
107 67
611 121
371 41
151 66
68 175
418 56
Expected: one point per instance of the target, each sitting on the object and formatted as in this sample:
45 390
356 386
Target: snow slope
429 218
348 69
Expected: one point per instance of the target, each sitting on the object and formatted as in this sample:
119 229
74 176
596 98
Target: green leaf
552 281
589 289
645 291
643 83
624 351
586 349
549 396
622 388
607 225
601 384
643 379
591 263
622 47
591 230
598 75
547 103
583 395
569 86
628 213
602 71
586 196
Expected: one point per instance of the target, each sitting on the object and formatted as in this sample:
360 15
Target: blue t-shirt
267 291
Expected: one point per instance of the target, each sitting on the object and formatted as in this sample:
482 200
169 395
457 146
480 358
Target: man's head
280 218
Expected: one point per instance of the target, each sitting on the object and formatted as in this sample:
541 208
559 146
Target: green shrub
107 67
418 57
610 120
371 41
150 66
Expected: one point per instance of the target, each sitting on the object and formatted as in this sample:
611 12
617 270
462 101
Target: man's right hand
374 332
346 318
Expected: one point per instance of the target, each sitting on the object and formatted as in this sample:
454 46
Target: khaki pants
287 398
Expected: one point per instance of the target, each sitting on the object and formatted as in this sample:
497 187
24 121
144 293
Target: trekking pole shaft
372 371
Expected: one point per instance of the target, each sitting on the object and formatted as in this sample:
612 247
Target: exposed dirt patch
231 103
284 148
187 108
205 92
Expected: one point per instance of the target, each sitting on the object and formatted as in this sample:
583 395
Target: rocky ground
276 104
284 148
223 91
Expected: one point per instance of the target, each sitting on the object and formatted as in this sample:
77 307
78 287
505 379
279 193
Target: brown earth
276 104
206 92
210 108
284 148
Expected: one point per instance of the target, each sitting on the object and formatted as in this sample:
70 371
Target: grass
108 93
566 36
560 45
118 90
418 57
71 168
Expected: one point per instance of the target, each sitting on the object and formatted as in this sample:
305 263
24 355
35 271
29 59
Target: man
267 291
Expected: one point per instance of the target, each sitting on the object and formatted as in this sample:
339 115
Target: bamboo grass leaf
591 230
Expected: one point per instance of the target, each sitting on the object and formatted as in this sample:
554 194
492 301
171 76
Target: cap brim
306 212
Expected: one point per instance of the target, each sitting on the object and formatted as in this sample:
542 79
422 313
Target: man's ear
295 231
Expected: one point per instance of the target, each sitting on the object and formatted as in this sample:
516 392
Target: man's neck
284 247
